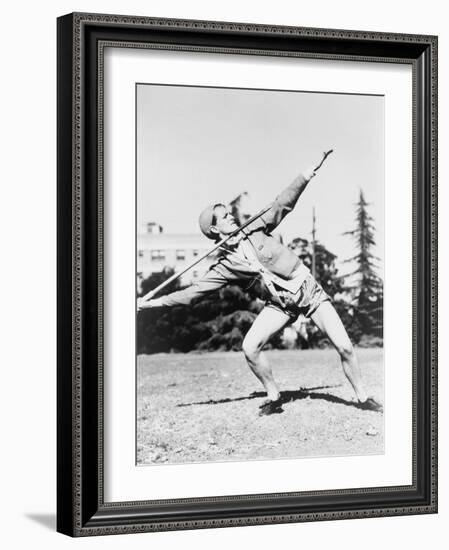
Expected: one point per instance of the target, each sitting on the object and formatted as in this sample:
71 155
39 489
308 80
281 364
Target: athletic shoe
271 407
370 405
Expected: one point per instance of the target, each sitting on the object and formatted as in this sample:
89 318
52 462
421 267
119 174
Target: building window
180 254
140 253
157 255
154 228
196 253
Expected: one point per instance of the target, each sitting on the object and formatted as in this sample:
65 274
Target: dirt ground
205 407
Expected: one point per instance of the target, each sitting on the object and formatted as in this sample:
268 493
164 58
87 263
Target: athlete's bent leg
267 323
329 322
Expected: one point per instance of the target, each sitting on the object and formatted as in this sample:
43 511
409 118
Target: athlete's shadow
287 396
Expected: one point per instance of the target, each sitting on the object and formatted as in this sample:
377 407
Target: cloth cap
206 221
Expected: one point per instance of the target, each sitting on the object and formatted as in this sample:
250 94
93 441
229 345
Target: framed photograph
247 274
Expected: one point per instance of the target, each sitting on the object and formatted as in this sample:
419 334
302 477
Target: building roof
173 240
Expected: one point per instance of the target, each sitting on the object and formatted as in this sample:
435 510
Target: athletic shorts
310 296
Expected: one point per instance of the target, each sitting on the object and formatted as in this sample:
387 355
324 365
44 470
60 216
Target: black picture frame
81 510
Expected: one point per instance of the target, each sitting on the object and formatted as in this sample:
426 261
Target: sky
197 146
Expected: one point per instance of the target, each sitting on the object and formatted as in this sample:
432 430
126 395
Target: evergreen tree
366 286
156 278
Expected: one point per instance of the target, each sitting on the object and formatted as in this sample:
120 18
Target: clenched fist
145 304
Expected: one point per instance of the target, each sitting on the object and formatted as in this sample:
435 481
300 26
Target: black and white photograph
259 274
247 275
222 286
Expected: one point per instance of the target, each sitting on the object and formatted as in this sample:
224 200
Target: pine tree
367 287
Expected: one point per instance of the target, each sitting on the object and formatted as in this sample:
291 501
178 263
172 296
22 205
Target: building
157 250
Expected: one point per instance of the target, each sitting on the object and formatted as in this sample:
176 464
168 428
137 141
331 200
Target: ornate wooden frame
81 41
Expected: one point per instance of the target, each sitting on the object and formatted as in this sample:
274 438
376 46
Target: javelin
175 276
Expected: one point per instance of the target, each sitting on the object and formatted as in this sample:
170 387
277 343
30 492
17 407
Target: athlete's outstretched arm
286 201
211 281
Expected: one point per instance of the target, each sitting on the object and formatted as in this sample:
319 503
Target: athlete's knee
345 350
251 349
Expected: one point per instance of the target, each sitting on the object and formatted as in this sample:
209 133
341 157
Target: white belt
293 284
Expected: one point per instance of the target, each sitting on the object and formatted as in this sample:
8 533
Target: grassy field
205 407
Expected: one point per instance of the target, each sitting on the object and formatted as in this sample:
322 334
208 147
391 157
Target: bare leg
267 323
329 322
